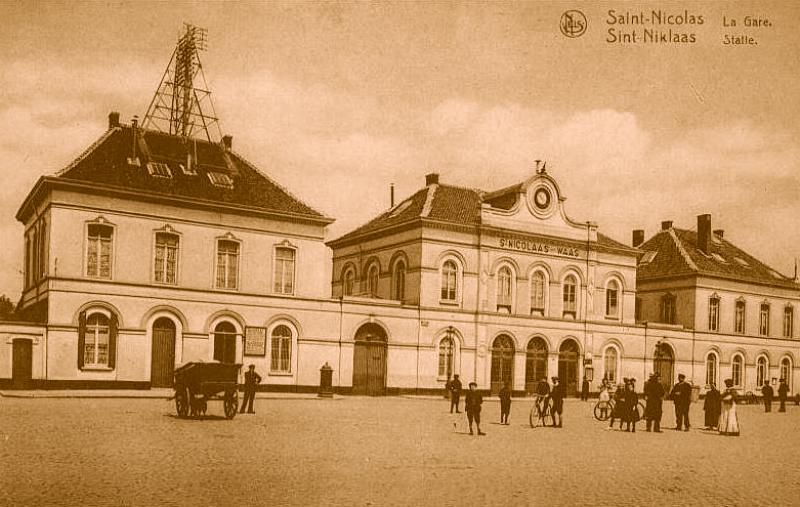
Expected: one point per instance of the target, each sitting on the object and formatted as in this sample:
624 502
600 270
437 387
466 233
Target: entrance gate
535 363
21 363
568 356
664 365
369 360
502 363
162 364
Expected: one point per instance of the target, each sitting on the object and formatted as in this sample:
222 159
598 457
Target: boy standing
505 403
472 406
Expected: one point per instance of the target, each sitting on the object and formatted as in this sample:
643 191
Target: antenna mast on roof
177 107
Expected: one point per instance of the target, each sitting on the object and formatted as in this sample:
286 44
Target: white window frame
617 291
786 373
763 319
457 280
280 278
736 313
713 313
505 301
164 260
442 375
226 284
292 338
741 381
762 371
788 321
542 311
617 362
111 250
576 311
712 358
86 334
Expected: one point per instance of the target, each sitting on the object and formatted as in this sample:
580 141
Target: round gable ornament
541 200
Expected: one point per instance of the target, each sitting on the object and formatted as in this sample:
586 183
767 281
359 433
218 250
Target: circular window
542 198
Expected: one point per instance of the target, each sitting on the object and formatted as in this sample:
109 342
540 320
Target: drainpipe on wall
477 311
693 339
339 365
419 334
586 306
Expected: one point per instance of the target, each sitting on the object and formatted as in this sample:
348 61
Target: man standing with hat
557 394
251 379
472 406
783 391
682 396
653 395
767 393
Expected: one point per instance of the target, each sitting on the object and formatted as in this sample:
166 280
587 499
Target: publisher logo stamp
573 24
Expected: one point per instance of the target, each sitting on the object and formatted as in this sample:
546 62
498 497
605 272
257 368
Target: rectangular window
98 250
537 294
284 270
739 317
713 314
166 258
159 170
668 309
763 325
612 302
227 264
570 301
788 322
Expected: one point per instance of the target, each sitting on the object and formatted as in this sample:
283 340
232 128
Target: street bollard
325 381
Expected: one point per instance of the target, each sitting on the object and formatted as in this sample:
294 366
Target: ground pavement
380 451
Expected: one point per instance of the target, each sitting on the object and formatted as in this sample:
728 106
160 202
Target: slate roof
456 205
106 163
677 253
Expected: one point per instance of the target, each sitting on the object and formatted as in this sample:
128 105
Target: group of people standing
768 394
626 403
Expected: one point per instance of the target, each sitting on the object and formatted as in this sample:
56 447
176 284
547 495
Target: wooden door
568 367
22 363
162 363
369 368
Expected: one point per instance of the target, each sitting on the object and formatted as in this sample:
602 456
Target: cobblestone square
380 451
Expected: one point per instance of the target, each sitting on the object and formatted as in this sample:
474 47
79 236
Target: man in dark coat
472 406
630 402
682 396
653 395
712 406
767 393
455 393
585 390
251 380
557 394
783 391
505 403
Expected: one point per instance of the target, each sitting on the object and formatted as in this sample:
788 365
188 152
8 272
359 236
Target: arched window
612 299
349 282
712 362
449 281
281 353
737 370
225 342
762 371
399 280
372 280
610 364
786 371
504 288
570 297
97 340
446 350
537 293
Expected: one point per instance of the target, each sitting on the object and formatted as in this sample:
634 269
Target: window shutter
81 338
113 327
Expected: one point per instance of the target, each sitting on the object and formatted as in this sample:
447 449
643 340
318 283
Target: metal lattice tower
178 106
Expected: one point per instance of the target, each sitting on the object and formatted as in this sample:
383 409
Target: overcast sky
337 101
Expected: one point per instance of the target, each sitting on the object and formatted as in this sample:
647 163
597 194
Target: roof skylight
221 180
159 170
717 257
400 208
648 257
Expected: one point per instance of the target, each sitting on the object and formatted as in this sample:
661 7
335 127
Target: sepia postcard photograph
399 253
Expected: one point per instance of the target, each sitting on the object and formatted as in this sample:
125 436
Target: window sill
280 374
611 317
446 302
97 368
223 289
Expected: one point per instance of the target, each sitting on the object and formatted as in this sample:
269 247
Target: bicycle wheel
640 409
535 418
602 410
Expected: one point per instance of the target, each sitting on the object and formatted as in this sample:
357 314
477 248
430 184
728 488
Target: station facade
147 252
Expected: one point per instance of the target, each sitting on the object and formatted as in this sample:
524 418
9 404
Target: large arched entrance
535 363
664 364
502 362
162 363
225 342
568 356
369 360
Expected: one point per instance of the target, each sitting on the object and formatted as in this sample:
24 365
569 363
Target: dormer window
188 170
221 180
159 170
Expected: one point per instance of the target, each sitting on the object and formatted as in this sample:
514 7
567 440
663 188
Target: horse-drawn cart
196 383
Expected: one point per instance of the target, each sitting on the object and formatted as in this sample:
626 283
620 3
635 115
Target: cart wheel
181 401
231 404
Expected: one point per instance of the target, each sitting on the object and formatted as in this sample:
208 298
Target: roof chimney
227 142
666 224
391 195
113 119
431 179
638 237
704 233
720 233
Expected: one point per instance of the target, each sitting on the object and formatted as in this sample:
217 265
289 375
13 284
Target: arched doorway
225 342
568 355
535 363
664 364
369 360
21 363
162 361
502 362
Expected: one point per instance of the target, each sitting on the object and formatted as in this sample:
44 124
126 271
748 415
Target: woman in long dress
728 421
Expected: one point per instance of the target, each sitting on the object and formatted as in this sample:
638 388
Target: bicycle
541 409
604 415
